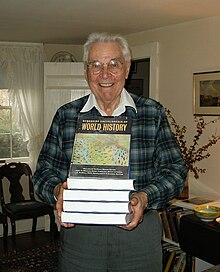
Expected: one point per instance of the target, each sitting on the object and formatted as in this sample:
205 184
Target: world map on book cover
101 147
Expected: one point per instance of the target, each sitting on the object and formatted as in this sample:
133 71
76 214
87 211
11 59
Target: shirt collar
125 100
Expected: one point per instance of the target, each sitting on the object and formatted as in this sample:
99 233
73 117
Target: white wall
185 49
52 49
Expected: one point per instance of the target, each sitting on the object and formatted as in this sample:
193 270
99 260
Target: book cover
101 147
96 218
96 206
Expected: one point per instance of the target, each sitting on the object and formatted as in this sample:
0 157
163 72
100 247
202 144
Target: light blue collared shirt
125 100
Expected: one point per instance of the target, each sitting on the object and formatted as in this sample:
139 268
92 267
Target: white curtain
23 65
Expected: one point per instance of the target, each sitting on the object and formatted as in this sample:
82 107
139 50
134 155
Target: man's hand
138 203
58 192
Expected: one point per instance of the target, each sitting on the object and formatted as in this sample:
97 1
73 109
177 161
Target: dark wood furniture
3 220
199 239
20 207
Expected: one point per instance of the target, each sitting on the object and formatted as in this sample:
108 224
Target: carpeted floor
42 259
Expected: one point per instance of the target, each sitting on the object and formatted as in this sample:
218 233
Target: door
63 82
138 81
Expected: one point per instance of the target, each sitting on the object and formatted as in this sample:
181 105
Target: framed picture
206 93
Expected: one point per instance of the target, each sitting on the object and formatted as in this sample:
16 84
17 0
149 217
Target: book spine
96 218
171 215
166 226
100 184
180 262
94 206
170 261
96 195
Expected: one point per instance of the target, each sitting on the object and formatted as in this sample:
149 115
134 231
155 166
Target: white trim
20 43
149 50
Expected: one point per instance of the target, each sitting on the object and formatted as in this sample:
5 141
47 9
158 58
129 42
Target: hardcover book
96 206
98 184
96 218
96 195
101 148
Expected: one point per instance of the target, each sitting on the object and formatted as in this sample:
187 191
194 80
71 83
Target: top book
101 147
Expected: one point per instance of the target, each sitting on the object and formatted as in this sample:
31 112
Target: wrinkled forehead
105 51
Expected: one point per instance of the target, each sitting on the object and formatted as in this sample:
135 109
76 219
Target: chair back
13 173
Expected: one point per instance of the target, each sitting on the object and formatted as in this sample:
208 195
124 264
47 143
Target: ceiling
70 21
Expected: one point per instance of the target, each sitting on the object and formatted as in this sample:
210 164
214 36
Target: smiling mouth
106 84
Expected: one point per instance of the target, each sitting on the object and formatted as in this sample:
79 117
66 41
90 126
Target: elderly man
156 165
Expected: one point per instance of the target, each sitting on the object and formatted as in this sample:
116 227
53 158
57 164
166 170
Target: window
11 143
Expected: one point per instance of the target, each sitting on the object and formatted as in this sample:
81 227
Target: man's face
107 84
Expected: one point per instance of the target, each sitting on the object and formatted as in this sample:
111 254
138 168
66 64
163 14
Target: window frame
10 133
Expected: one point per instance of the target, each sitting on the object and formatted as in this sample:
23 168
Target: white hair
106 37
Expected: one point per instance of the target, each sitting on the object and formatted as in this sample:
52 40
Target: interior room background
183 50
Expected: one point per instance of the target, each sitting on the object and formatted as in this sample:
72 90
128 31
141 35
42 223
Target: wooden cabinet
199 239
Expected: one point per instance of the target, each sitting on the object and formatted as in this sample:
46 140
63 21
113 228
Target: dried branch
193 153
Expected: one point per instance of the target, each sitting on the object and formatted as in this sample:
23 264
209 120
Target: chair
20 207
3 220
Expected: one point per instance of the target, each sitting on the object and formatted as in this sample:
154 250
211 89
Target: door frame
151 51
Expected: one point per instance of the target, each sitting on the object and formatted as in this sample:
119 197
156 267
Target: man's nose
105 71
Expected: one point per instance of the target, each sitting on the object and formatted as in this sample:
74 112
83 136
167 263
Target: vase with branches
194 152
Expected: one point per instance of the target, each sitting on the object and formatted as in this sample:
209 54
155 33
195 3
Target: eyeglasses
114 66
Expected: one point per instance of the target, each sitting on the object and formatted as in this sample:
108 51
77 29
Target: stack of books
97 201
170 217
174 259
98 184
